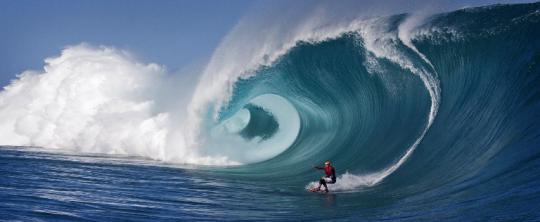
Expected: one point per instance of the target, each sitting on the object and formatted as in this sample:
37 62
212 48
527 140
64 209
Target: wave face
413 115
453 109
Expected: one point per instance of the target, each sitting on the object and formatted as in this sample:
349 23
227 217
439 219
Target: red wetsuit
329 171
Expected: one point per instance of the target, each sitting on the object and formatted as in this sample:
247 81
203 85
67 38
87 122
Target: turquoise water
445 130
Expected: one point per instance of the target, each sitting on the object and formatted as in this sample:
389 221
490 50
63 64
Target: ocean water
432 121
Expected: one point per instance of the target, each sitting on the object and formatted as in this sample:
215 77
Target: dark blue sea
442 126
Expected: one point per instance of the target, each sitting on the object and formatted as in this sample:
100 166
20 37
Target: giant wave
447 99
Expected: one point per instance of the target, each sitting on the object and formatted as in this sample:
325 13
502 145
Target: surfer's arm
318 168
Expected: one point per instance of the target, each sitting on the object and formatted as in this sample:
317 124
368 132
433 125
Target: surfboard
315 190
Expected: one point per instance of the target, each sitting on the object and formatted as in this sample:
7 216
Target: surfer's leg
323 182
326 180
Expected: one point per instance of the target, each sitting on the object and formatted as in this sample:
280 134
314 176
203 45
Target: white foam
351 182
94 100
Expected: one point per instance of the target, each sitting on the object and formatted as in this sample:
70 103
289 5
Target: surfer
328 178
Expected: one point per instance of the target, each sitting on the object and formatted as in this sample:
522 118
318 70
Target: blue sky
171 33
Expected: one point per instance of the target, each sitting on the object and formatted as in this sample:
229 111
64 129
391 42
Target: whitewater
425 116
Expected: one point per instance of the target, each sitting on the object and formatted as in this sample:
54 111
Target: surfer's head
327 163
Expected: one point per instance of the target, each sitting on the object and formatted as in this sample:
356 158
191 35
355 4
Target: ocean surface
427 122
